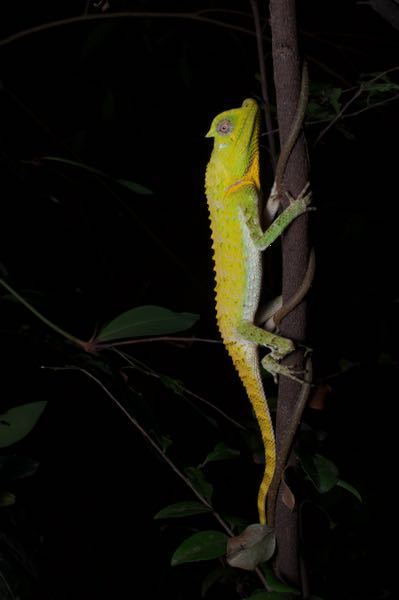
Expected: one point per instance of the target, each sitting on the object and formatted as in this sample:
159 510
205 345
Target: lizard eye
224 127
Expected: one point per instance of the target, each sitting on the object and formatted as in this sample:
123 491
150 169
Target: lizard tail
254 388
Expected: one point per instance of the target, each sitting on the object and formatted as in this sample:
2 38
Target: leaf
17 422
254 545
204 545
334 96
7 499
199 482
287 495
137 188
218 574
379 88
165 442
144 321
262 595
172 384
322 472
238 523
349 488
221 452
182 509
17 467
275 584
108 106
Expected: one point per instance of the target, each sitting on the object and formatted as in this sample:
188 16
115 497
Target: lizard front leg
278 345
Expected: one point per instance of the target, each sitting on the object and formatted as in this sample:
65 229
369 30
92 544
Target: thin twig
102 181
159 450
191 16
264 87
362 88
164 338
137 364
149 439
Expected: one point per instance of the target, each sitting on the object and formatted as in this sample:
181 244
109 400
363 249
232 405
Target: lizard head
236 134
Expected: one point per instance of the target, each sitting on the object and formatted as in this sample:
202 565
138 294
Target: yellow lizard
233 195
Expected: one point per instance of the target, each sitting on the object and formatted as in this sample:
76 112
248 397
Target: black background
134 98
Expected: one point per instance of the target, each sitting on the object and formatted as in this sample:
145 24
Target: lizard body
233 195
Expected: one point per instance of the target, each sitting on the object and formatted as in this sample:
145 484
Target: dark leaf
181 509
218 574
146 321
275 584
6 499
17 422
349 488
322 472
137 188
204 545
221 452
262 595
17 467
199 482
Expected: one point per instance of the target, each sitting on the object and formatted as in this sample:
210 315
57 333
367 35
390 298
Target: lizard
233 194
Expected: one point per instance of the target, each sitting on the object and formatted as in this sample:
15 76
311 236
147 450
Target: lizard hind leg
273 366
279 348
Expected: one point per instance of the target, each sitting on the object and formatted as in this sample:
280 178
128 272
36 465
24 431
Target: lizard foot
304 198
274 367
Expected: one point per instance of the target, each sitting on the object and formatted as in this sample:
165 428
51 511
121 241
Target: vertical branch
263 83
295 248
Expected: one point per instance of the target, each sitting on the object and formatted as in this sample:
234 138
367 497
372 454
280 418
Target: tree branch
295 248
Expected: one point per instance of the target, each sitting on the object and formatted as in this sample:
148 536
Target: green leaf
349 488
17 467
262 595
137 188
165 442
176 386
219 574
17 422
181 509
199 482
379 88
237 523
333 97
221 452
7 499
322 472
275 584
204 545
146 321
108 106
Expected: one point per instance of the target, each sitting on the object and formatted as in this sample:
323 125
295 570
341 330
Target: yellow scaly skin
233 194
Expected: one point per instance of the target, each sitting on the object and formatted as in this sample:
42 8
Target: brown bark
295 248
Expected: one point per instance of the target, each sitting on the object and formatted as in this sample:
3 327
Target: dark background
134 98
